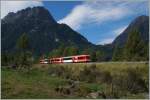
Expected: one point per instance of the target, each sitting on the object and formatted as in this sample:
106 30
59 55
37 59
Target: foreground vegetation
102 80
22 78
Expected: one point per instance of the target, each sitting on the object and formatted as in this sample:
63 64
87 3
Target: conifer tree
25 56
134 47
23 43
93 56
117 54
100 55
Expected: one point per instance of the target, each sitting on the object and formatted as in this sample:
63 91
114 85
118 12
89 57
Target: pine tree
25 56
54 53
70 51
65 52
86 51
93 56
73 51
100 55
23 43
134 47
61 50
117 54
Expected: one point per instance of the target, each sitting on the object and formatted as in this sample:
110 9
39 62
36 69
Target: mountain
141 24
44 33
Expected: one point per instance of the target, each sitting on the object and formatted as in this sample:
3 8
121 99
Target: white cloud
116 32
14 6
105 41
94 12
75 18
98 12
120 30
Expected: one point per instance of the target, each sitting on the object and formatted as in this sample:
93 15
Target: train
68 59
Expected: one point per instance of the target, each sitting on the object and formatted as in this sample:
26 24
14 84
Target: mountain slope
140 24
44 33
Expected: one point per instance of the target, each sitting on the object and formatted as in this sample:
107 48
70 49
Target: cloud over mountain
98 12
115 33
120 30
105 41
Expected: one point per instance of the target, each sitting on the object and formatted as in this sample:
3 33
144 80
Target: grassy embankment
104 80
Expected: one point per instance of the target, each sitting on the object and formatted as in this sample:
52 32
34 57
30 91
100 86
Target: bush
89 74
93 74
55 70
60 71
105 77
135 82
22 61
126 81
129 81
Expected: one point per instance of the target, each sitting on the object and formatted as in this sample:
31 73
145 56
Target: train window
57 60
81 57
87 57
46 59
69 58
53 60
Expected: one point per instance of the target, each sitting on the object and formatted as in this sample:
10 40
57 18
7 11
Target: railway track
118 62
142 62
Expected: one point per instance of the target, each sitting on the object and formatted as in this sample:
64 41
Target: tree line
22 58
135 49
73 50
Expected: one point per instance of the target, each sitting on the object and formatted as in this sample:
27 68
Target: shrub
129 81
93 74
89 73
105 77
55 70
60 71
135 82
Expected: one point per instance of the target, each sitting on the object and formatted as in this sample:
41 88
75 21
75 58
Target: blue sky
99 30
60 9
99 21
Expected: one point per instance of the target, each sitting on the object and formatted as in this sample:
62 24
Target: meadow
100 80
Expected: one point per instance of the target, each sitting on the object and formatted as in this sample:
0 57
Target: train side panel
69 59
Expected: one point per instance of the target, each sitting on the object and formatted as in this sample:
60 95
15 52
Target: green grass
113 68
36 84
39 84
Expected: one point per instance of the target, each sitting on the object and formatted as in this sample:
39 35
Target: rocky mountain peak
44 33
34 14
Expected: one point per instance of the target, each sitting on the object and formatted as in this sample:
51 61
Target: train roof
70 56
74 56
